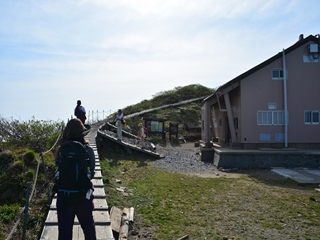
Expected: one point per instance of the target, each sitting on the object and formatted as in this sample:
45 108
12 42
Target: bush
41 178
29 157
16 168
30 175
8 212
6 159
31 133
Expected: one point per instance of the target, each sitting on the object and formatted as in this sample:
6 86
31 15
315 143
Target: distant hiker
119 123
141 135
76 163
80 112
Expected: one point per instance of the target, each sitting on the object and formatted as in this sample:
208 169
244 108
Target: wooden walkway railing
100 212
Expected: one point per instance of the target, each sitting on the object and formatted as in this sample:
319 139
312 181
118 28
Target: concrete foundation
223 157
266 160
207 155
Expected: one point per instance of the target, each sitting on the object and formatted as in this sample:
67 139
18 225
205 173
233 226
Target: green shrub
8 212
19 134
29 157
155 139
41 178
106 180
16 168
30 175
6 159
3 177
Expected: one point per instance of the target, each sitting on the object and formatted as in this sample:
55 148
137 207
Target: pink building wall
257 89
303 86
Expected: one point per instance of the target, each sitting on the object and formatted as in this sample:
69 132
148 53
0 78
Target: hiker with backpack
80 112
76 163
119 123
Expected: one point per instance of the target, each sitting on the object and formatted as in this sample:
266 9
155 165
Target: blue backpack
72 182
79 113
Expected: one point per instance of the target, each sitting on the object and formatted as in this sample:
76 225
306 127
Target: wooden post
124 228
131 214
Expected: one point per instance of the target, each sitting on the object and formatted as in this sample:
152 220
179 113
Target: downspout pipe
285 99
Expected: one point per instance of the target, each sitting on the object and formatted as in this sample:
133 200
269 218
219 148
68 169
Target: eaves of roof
261 65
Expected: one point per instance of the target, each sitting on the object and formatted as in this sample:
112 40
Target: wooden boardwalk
100 213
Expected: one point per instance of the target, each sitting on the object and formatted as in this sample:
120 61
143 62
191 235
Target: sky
111 54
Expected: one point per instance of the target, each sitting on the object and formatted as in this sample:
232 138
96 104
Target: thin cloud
103 49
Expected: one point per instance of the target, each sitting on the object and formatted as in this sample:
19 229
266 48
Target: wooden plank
99 192
97 174
102 233
97 182
100 218
99 203
115 218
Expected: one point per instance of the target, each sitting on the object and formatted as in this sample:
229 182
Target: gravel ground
184 158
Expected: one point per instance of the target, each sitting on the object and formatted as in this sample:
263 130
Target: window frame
311 116
270 118
280 74
236 123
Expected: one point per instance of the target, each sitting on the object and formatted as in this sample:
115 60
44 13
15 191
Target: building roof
237 79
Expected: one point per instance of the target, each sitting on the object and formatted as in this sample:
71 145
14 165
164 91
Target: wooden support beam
124 228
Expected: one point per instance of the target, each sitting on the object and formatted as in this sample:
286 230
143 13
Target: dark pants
66 214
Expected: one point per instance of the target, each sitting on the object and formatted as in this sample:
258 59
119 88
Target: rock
118 181
134 232
145 235
312 198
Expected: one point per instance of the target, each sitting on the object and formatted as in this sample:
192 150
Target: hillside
178 94
188 116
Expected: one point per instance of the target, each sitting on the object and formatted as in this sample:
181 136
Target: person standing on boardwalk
72 203
80 112
119 123
141 135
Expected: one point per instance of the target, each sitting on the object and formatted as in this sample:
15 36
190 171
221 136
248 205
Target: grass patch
174 205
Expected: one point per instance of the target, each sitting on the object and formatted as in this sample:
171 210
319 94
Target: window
278 117
311 117
235 120
270 117
272 106
277 74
